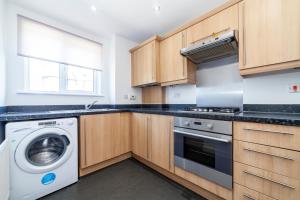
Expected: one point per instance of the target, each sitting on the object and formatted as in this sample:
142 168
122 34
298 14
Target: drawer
274 135
280 161
266 182
243 193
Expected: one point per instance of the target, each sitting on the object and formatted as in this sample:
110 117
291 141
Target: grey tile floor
128 180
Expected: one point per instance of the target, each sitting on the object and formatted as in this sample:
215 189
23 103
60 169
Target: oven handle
203 136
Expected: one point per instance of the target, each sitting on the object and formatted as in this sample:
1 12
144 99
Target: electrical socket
132 97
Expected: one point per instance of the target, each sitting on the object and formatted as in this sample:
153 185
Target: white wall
122 72
15 69
2 56
271 88
181 94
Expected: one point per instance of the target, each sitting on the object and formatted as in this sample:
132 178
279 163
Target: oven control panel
223 127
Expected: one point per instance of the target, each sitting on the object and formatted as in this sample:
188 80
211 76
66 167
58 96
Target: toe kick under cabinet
266 162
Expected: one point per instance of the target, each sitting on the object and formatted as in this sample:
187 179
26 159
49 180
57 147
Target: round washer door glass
46 149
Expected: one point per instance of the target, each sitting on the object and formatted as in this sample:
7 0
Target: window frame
97 81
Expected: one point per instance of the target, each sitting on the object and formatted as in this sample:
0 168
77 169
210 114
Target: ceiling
133 19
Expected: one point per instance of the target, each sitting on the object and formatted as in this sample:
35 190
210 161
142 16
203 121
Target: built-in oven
204 147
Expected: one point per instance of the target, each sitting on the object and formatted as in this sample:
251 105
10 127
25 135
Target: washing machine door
44 150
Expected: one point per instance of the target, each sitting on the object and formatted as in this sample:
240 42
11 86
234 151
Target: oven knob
209 126
187 123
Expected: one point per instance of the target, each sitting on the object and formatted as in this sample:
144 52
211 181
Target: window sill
59 93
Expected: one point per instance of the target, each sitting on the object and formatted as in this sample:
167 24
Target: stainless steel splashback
219 84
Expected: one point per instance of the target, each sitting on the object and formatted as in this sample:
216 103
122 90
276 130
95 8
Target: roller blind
38 40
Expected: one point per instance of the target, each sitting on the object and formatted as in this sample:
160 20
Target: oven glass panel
210 153
199 151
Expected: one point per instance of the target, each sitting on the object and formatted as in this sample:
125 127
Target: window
58 62
46 76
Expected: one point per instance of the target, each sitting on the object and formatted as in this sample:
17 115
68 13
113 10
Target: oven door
205 154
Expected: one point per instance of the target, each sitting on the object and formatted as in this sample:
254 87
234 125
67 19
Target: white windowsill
59 93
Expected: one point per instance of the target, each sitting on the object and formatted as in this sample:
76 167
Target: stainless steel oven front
204 147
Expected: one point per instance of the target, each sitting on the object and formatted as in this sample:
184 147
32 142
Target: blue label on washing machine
48 178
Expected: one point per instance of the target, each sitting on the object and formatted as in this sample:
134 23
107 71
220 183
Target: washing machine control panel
47 123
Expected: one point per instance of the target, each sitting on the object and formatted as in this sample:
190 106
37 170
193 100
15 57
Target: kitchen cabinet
267 183
266 160
174 68
140 125
161 128
152 137
287 137
269 35
145 64
247 194
103 137
223 20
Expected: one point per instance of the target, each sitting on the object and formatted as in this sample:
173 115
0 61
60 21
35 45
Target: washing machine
43 157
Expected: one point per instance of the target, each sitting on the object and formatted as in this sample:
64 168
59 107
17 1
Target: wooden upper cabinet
139 138
226 19
145 63
269 35
159 140
103 137
174 68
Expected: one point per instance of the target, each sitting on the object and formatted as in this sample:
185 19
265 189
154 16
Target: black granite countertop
258 117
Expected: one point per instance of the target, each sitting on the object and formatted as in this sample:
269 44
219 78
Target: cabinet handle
248 197
244 35
270 154
184 59
268 131
269 179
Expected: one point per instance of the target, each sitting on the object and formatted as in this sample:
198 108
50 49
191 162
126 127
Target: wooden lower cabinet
287 137
277 160
266 182
243 193
139 137
161 128
103 137
151 138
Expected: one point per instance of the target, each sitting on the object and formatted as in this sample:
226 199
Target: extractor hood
216 46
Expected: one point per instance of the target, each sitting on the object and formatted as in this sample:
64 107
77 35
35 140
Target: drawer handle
267 131
269 179
249 197
270 154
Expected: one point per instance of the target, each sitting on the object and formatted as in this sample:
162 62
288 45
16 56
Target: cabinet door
100 136
172 63
123 141
140 134
136 70
226 19
159 140
269 32
144 64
